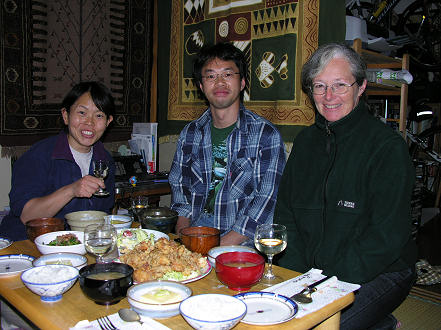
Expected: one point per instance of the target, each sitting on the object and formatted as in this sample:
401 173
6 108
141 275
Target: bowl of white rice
212 311
50 281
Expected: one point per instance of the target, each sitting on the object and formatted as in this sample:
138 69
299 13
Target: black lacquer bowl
106 292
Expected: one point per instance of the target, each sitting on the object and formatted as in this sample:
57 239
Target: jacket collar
62 149
346 125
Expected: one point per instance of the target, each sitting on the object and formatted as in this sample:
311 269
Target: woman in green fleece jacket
345 193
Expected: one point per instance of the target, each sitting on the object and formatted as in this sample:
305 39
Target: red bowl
239 270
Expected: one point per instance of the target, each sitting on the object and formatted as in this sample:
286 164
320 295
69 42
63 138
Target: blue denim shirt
256 159
46 167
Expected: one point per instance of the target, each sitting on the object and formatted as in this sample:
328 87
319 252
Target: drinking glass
270 239
100 169
139 203
100 240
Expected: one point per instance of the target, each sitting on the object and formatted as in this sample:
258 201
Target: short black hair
224 51
101 96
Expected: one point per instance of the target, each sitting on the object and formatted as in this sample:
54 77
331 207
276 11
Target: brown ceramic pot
200 239
40 226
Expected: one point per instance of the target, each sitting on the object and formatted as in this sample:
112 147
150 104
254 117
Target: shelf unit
376 60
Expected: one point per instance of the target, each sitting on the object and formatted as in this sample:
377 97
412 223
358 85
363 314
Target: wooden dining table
75 306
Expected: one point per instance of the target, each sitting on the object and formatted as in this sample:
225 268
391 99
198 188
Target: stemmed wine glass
139 203
270 239
100 240
100 169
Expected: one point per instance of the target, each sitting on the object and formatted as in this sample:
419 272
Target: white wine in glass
100 240
270 239
100 169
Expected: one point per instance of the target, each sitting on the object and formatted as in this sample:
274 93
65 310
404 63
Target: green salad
127 239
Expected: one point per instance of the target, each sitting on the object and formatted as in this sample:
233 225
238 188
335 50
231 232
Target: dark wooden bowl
40 226
200 239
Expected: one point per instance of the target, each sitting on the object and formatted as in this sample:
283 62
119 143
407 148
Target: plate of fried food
165 260
127 239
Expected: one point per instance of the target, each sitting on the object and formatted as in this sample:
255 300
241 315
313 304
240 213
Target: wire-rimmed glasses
337 88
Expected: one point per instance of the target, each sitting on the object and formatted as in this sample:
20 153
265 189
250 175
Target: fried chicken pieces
153 261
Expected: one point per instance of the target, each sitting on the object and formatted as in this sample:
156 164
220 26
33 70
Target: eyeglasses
225 76
337 88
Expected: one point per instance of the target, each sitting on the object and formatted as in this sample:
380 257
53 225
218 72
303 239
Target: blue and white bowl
212 311
61 258
50 281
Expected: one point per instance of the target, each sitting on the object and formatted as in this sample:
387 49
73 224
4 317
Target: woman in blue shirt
55 176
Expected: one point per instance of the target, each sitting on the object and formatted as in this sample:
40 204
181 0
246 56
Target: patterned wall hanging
276 36
48 46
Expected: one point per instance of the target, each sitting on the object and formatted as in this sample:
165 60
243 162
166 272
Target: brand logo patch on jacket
348 204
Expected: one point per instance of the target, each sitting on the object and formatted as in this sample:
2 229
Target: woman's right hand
86 186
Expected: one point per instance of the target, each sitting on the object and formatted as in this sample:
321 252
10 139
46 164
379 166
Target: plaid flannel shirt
256 159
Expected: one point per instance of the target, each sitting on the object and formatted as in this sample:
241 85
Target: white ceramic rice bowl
63 258
217 250
50 291
159 310
125 219
212 311
42 242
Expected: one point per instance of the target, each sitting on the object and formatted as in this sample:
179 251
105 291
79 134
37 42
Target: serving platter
4 243
267 308
207 271
13 264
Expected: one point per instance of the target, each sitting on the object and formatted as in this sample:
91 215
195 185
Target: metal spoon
129 315
304 296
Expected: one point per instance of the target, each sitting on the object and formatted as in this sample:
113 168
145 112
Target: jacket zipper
329 136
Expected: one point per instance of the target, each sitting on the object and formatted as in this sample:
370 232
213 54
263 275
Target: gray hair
321 58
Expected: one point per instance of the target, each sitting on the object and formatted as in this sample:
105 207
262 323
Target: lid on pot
158 212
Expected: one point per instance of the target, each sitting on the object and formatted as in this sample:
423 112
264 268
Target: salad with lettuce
128 238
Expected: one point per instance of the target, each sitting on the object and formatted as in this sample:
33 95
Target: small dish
13 264
266 308
4 242
119 221
61 258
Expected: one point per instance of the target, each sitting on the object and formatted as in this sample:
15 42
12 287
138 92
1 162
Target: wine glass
100 169
100 240
139 203
270 239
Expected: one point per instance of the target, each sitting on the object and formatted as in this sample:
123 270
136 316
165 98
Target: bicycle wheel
421 22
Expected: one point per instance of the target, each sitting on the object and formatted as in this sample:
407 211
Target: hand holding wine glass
100 169
270 239
100 240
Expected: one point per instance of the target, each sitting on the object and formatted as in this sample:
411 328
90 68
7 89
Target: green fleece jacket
345 199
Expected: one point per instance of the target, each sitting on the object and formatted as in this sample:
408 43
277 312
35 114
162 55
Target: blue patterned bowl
50 281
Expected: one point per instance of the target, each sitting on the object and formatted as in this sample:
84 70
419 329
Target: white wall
5 181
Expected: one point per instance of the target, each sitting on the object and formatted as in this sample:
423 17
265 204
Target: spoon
304 296
129 315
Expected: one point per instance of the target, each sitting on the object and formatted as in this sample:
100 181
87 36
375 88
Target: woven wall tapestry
48 46
276 36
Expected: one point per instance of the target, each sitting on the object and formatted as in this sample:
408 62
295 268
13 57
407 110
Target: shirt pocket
243 182
192 172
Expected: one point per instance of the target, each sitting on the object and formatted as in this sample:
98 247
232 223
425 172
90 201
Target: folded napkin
326 293
148 323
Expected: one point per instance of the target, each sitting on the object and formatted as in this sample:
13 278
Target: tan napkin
148 323
326 293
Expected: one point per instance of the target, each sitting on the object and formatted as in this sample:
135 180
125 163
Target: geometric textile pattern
48 46
276 36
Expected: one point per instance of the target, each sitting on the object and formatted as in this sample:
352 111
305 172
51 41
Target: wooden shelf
376 60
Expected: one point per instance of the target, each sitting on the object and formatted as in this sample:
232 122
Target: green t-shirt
220 158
